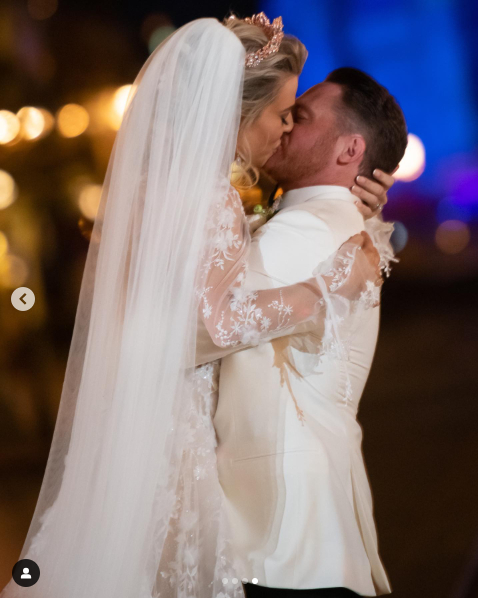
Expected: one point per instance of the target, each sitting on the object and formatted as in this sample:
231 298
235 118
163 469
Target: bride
119 505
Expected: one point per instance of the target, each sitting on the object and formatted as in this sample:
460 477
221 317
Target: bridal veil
108 492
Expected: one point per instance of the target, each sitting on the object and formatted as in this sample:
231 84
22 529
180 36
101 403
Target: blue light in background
413 47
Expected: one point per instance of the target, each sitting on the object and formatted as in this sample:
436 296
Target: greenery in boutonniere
269 211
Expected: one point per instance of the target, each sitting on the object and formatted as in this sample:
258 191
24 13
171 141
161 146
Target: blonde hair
263 82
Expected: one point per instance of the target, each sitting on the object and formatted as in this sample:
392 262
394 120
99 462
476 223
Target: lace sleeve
234 316
380 232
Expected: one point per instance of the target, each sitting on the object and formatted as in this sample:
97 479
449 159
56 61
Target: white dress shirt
316 192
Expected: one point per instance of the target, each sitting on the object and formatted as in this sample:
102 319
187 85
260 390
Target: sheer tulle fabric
109 487
130 504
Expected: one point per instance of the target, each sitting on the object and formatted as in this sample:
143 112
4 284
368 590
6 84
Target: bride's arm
236 317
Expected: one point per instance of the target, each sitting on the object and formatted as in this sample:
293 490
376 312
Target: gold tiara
272 30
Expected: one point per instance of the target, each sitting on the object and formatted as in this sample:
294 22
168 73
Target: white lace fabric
236 317
198 557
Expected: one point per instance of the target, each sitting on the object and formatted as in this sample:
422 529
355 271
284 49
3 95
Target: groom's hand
372 194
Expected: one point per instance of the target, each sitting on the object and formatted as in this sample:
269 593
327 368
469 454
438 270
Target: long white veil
102 515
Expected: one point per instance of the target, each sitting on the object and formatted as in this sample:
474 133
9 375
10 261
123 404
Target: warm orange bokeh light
13 271
452 236
3 244
32 122
72 120
89 200
8 189
9 126
118 106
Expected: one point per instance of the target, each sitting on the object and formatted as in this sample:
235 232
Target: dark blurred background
65 68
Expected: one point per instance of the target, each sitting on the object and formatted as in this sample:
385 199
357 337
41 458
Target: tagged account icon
26 573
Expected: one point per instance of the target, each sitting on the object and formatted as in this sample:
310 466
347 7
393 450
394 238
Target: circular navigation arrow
23 298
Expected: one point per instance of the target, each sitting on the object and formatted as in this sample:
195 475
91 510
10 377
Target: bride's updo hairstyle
262 82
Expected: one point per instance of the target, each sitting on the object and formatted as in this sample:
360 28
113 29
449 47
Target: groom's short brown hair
369 109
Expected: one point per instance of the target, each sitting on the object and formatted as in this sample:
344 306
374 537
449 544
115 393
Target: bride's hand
372 195
365 267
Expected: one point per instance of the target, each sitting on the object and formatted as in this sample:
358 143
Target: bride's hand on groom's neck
372 195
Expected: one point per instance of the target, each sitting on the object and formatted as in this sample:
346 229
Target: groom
289 451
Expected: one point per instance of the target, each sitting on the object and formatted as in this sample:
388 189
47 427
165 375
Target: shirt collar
315 192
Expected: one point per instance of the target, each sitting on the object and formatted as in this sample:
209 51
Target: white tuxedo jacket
289 449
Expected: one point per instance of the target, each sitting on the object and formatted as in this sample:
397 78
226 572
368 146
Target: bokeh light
89 200
3 244
413 162
399 238
13 271
86 228
75 182
48 120
72 120
120 99
452 236
8 189
32 122
42 9
9 126
159 35
155 29
118 106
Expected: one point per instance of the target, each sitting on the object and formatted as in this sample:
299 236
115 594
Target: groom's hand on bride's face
372 195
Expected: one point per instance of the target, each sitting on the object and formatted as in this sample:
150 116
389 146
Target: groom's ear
351 149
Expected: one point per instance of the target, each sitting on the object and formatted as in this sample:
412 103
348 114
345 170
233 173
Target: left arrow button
23 298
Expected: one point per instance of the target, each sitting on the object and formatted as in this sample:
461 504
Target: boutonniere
267 213
261 215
